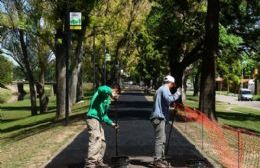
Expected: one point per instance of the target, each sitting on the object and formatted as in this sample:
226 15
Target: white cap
169 78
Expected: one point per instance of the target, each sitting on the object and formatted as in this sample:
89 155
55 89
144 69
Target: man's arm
107 120
172 97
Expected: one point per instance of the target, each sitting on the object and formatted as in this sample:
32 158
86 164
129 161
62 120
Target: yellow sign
75 27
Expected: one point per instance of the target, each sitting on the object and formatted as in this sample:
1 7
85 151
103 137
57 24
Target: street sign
75 20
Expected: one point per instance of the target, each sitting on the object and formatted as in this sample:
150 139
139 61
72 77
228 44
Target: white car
245 94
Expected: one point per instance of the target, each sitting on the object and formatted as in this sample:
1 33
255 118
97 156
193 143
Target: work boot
160 164
90 165
102 165
167 163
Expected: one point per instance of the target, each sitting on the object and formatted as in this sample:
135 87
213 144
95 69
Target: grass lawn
233 115
32 140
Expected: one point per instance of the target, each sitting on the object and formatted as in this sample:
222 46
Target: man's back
161 104
162 100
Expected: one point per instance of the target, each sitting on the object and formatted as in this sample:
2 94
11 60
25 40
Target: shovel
118 161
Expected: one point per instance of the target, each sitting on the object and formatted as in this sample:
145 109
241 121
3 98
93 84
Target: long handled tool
170 132
116 115
118 161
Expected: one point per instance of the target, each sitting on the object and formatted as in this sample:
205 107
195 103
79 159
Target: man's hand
178 91
114 125
115 96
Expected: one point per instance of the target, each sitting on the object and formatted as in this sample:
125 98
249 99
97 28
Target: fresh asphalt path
136 138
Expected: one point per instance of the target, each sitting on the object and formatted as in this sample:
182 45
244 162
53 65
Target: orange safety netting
226 145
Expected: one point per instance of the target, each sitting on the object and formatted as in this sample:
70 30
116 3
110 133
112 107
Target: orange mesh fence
227 146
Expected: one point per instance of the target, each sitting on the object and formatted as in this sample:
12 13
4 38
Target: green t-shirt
99 105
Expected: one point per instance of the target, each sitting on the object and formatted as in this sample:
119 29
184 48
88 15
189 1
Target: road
234 100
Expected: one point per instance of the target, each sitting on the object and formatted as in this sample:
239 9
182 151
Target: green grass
240 117
226 93
5 95
256 97
233 115
24 138
16 117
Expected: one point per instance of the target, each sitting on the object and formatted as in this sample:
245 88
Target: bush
6 68
256 98
5 95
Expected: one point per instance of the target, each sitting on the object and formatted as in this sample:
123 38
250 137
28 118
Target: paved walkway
136 139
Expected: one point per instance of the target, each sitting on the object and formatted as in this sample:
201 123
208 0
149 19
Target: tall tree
208 66
18 41
179 33
116 23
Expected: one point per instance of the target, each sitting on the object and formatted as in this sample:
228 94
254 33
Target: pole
116 115
169 137
238 149
105 59
94 58
202 132
105 71
242 76
67 64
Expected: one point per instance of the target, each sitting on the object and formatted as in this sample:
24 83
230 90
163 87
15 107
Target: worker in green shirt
96 115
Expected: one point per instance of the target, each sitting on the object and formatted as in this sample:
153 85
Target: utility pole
94 58
67 30
104 45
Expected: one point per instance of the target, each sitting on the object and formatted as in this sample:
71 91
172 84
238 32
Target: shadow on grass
238 116
80 109
22 108
41 127
7 120
18 127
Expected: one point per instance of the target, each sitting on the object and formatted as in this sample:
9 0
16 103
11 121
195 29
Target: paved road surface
233 100
135 139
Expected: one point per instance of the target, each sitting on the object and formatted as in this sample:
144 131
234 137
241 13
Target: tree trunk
74 83
184 87
228 90
43 99
28 74
60 73
21 92
207 87
77 68
80 92
196 83
33 98
177 73
185 76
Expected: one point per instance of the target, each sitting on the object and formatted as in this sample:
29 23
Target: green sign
75 20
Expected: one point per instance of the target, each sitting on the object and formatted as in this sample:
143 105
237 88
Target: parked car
245 94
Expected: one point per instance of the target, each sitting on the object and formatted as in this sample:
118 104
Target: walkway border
215 163
62 148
